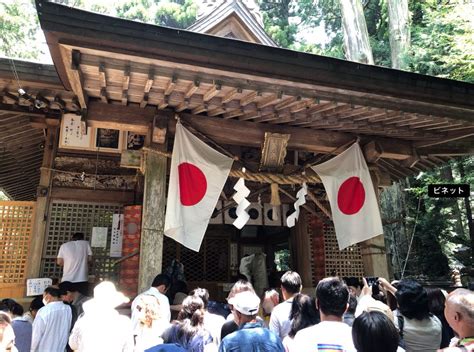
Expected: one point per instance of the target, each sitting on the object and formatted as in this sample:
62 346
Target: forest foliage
441 44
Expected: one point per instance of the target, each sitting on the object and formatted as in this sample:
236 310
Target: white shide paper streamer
240 198
300 200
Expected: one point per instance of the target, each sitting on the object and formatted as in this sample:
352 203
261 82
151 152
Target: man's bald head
459 312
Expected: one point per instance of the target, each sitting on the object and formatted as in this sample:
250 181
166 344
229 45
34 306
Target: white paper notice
117 236
36 287
73 132
99 237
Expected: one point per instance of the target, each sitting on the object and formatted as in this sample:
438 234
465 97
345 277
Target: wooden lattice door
345 263
66 218
16 222
211 263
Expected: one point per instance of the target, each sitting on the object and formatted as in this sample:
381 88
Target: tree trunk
399 31
356 36
467 204
447 174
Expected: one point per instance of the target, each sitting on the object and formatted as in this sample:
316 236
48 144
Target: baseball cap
246 303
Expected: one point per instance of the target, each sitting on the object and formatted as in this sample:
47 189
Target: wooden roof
21 144
123 72
232 19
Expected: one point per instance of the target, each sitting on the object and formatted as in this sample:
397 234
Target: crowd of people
345 315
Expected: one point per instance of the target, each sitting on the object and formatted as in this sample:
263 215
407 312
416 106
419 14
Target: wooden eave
244 86
22 139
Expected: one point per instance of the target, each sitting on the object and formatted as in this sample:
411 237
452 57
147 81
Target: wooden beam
144 101
76 75
103 95
450 138
372 152
193 87
59 102
250 98
182 106
102 77
128 118
212 92
289 102
244 133
233 113
148 85
125 84
231 94
171 84
272 99
149 81
165 102
89 195
251 134
199 109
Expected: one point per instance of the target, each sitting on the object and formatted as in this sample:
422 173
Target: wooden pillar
42 204
374 253
302 245
153 215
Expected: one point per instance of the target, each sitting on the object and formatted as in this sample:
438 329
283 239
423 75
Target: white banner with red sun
197 176
351 194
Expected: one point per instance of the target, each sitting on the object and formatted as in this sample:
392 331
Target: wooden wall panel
16 220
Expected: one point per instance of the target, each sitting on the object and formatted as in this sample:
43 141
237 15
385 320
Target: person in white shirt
280 323
74 257
7 335
101 327
52 323
332 297
159 286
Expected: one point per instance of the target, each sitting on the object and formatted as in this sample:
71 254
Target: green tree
19 29
176 14
440 229
277 16
443 39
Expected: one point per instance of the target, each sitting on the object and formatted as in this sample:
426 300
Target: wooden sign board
72 133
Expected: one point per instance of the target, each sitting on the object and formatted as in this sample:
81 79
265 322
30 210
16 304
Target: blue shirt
252 337
23 330
166 347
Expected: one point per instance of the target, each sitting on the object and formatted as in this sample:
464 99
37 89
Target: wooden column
42 204
153 215
374 253
302 245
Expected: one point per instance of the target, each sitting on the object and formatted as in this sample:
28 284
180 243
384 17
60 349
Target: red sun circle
192 184
351 196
